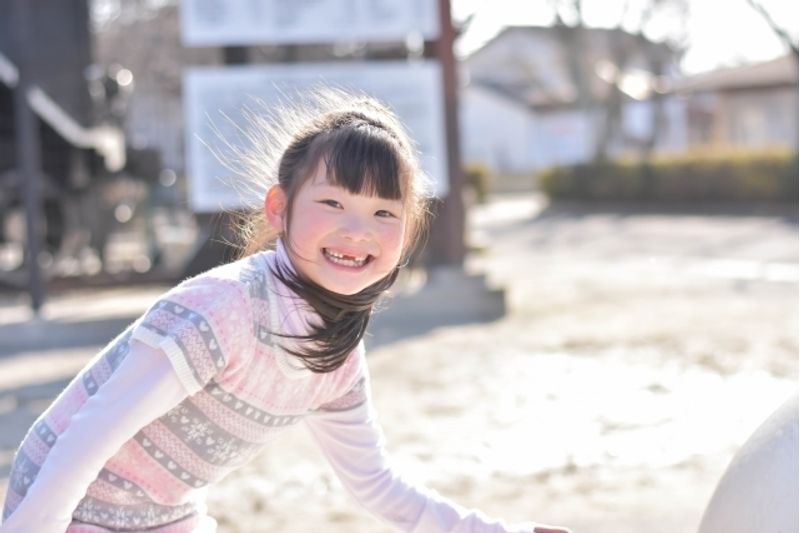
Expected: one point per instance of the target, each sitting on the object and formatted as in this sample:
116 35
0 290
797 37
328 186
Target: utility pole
28 149
446 246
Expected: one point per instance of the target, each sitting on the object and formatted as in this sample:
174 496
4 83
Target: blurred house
754 105
534 97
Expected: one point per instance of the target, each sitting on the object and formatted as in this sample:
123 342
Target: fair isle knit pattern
219 332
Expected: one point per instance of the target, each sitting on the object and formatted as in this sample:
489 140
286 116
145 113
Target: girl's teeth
345 260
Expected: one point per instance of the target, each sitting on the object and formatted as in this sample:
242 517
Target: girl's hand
550 529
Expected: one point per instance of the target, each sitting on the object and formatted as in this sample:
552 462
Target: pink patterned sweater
235 388
215 329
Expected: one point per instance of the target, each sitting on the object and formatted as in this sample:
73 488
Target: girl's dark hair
366 151
344 319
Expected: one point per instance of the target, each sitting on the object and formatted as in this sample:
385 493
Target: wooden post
446 244
28 151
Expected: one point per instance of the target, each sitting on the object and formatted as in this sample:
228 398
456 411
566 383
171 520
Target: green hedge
764 176
479 177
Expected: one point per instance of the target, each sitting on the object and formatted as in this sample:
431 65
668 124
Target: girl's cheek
396 240
394 236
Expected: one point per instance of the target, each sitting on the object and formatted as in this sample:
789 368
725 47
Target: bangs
363 160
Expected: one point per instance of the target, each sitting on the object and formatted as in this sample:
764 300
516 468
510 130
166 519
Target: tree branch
782 34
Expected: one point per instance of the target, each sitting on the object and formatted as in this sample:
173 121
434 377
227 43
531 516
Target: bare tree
569 25
629 38
783 34
675 41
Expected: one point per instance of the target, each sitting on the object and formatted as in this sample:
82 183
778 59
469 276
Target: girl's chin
347 292
340 285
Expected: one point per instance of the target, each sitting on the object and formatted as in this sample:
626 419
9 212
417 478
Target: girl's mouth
345 260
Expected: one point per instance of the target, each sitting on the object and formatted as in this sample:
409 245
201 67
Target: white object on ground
759 490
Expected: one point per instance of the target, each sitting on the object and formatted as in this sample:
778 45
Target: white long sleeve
352 442
143 388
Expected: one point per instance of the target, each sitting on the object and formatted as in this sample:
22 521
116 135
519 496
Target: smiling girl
225 361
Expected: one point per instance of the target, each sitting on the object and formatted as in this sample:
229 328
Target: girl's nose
355 228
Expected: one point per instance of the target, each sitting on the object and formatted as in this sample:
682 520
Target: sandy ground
638 351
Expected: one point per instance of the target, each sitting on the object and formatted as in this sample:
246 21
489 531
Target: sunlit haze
719 33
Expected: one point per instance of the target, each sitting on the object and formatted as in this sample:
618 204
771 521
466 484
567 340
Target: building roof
535 65
549 30
781 71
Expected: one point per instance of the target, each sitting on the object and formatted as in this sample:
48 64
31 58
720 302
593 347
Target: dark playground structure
77 148
68 172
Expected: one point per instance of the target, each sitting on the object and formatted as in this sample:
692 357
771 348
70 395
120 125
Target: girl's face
340 240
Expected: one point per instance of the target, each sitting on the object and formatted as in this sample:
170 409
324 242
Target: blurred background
615 251
645 90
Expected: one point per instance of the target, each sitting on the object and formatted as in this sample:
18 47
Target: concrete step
448 296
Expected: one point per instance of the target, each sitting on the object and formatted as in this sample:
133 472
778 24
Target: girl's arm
353 444
141 389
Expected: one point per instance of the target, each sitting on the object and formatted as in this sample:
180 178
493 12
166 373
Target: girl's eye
383 213
331 203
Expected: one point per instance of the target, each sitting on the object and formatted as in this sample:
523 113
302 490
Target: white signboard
250 22
215 97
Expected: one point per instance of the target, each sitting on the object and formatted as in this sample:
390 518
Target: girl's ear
275 207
